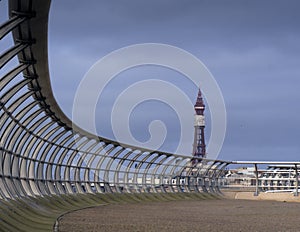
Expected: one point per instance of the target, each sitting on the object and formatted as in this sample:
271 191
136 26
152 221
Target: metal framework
42 154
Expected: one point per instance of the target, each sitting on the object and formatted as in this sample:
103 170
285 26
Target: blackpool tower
199 150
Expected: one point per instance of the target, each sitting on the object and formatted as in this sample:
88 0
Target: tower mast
199 148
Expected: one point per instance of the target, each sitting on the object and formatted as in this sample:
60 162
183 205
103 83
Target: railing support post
256 180
296 181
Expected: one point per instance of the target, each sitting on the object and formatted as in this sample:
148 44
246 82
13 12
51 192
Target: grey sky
251 47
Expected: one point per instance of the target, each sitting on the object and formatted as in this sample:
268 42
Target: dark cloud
251 47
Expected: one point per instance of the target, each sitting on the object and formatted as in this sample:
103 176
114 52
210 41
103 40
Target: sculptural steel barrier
42 154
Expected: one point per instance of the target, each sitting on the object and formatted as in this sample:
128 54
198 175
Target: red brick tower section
199 148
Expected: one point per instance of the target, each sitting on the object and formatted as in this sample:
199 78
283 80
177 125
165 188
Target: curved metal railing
42 154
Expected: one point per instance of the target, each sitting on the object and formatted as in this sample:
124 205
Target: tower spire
199 147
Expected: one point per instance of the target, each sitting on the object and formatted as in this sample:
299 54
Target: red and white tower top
199 148
199 106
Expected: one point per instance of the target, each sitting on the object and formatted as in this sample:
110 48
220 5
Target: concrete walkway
208 215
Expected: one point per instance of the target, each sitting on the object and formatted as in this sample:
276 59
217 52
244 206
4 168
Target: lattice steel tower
199 149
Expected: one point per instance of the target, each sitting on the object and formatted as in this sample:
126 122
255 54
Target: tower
199 149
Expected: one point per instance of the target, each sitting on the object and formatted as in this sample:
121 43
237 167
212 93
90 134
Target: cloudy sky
251 48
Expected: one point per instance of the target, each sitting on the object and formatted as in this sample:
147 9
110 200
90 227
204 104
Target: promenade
192 215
